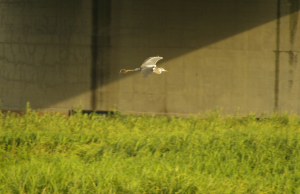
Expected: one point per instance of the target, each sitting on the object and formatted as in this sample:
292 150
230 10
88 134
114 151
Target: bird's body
148 66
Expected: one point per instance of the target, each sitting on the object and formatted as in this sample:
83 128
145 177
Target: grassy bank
128 154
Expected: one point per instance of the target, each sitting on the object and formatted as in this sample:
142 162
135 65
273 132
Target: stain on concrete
292 58
292 67
294 7
291 79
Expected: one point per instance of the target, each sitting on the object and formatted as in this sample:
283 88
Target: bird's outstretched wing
146 71
151 61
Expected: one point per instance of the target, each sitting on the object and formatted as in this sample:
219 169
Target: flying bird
148 66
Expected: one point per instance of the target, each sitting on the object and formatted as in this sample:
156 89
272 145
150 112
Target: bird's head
159 70
162 69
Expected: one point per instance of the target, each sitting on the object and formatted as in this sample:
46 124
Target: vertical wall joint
94 52
277 55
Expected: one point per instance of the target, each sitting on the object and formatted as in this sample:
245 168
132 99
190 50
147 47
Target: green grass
130 154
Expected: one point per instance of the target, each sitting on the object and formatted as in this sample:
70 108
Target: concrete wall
219 53
45 53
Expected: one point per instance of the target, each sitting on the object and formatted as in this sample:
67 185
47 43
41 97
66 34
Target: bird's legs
126 70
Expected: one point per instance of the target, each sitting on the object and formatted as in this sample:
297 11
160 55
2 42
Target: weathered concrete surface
45 53
219 53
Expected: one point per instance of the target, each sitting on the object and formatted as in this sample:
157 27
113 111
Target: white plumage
148 66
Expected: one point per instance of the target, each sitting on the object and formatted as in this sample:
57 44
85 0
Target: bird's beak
167 71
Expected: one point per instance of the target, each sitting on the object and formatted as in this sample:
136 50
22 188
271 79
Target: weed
130 154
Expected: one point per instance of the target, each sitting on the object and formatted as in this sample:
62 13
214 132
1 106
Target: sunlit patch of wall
235 72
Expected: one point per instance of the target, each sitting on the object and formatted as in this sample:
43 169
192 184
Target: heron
148 66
